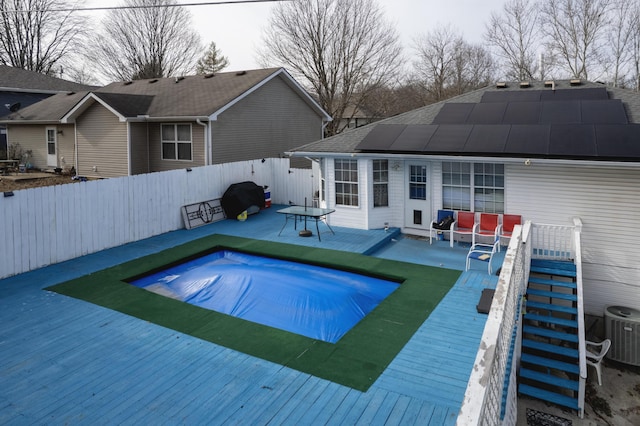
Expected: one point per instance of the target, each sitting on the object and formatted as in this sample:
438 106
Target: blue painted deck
65 361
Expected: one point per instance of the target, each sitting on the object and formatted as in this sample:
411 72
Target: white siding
347 216
608 202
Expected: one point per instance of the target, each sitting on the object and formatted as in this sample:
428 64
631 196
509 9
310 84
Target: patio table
296 212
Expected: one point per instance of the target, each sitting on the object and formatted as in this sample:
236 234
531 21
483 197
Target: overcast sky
237 29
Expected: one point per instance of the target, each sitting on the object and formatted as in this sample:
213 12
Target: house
20 88
549 151
142 126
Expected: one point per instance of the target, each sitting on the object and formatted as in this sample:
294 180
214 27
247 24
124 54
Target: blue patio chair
443 224
483 253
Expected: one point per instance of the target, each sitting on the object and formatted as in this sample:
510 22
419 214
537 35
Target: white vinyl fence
43 226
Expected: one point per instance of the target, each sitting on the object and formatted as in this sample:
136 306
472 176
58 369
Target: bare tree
474 68
212 61
620 38
574 32
152 39
514 33
35 36
338 48
437 53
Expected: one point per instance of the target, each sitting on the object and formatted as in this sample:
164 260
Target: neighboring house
20 88
143 126
550 152
354 117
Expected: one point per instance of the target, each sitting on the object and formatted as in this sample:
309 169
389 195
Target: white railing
491 395
554 242
581 339
493 375
42 226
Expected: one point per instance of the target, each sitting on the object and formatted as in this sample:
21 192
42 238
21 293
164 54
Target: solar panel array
574 123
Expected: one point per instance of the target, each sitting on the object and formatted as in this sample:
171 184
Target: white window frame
176 142
380 179
346 182
469 181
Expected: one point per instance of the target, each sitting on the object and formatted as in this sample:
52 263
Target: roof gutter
506 160
173 118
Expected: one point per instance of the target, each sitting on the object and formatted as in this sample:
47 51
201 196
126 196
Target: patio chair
483 253
442 224
594 358
488 226
465 224
509 221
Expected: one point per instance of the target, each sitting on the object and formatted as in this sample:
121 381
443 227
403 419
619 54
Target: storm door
418 203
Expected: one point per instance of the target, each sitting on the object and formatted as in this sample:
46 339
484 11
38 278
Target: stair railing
491 395
582 348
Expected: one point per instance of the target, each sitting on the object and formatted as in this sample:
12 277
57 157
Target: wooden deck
64 361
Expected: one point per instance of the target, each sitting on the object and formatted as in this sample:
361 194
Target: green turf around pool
356 360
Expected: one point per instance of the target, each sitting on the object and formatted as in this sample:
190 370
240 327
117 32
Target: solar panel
528 139
453 113
487 113
511 96
618 141
560 112
381 137
414 138
487 138
522 113
603 112
594 93
573 141
449 138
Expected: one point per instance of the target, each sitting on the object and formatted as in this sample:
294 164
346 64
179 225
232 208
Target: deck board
68 361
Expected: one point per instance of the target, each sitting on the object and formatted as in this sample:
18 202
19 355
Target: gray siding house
549 152
20 88
143 126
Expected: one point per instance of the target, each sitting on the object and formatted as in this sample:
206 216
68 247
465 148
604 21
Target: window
488 194
176 142
418 182
346 182
380 183
480 191
456 184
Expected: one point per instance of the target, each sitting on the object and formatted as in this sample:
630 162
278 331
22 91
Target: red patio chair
509 221
488 226
465 224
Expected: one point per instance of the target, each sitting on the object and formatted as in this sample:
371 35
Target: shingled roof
565 120
190 96
17 79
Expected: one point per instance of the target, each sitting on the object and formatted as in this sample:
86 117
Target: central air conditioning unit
622 327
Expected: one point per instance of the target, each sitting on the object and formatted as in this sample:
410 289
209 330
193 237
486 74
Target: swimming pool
309 300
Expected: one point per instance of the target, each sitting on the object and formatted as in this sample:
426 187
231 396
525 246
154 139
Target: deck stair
549 362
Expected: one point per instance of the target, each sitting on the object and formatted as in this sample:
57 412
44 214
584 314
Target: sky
237 28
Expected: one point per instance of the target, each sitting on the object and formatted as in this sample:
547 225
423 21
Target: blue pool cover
313 301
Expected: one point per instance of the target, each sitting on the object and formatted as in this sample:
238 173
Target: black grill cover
240 196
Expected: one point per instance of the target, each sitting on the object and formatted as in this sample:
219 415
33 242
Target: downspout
75 144
207 142
324 126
